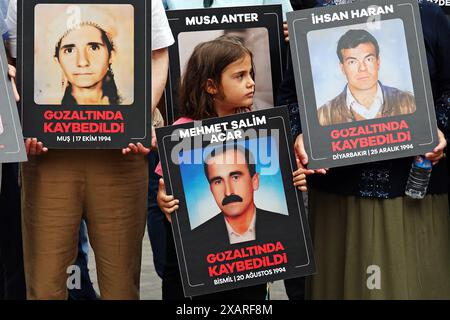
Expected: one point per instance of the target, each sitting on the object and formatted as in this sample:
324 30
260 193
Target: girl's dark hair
208 61
109 86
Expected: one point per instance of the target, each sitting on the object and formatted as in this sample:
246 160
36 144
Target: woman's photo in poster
256 40
84 54
363 74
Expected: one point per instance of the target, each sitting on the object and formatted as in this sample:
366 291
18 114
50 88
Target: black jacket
214 233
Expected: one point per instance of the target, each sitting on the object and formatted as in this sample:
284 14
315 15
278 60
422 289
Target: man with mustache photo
364 97
233 180
240 222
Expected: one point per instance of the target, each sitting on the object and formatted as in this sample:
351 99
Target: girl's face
237 87
84 57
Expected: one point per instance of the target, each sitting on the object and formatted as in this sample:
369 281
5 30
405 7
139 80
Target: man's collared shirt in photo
248 235
366 113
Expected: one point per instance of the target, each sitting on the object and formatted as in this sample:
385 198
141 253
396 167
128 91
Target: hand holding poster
89 75
240 221
12 148
363 82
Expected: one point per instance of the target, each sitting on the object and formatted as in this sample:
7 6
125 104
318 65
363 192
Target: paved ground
151 283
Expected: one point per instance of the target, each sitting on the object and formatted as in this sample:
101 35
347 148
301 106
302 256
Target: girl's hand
300 177
167 204
133 148
438 152
34 147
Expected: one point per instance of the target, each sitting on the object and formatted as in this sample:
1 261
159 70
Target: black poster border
136 116
317 138
167 137
274 28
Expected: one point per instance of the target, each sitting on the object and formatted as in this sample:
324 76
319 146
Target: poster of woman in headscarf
87 82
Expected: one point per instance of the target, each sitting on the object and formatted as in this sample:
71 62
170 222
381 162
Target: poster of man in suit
241 222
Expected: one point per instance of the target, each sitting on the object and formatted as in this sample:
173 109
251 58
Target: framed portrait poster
362 82
83 72
259 28
240 221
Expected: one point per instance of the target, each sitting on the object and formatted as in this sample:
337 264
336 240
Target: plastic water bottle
418 179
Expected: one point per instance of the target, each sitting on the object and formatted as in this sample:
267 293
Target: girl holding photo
218 82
